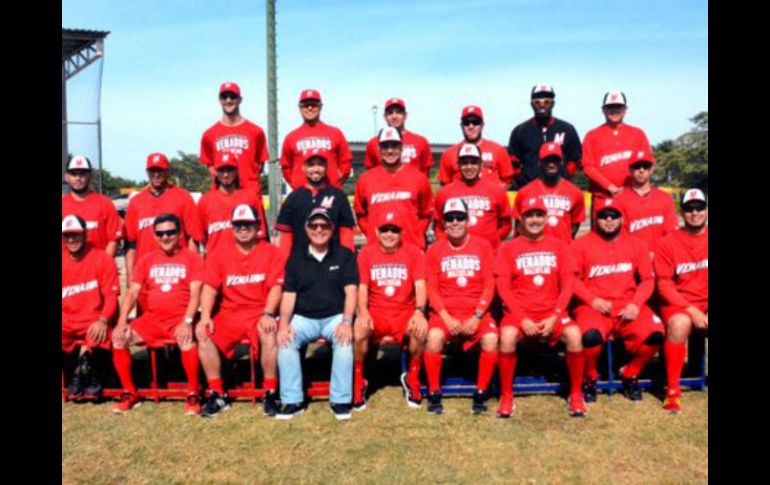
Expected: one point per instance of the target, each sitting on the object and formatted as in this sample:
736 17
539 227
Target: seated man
535 274
170 281
248 274
319 300
391 303
682 269
89 299
614 282
460 288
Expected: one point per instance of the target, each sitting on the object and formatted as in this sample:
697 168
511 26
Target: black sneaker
75 387
94 388
270 404
289 411
342 411
214 405
589 390
479 400
434 403
411 400
361 405
632 389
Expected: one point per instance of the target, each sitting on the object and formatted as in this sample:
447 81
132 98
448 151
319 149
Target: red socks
358 380
190 364
507 365
121 358
592 360
269 383
433 363
487 363
643 356
216 386
674 355
413 376
575 363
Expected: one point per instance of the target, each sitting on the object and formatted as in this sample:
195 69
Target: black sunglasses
455 217
228 94
389 228
169 233
472 121
643 165
244 225
693 208
319 225
608 215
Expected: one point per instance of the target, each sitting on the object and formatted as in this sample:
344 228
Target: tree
188 173
112 183
684 162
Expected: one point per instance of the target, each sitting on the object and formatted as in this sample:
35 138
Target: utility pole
274 173
374 117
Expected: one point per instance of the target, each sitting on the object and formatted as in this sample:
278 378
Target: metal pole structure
374 116
100 48
274 174
64 154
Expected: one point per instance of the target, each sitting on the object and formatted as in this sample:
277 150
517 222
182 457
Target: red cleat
192 405
127 402
506 408
577 406
672 402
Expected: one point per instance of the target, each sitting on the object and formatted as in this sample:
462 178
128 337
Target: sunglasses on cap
390 228
472 122
240 225
641 165
324 226
454 217
694 207
608 214
228 94
169 233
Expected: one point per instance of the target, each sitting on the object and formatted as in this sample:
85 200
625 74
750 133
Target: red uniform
489 211
390 280
89 290
144 207
607 152
216 209
565 204
682 269
535 280
648 217
307 138
415 151
244 281
461 281
102 220
495 163
407 191
165 284
609 270
246 140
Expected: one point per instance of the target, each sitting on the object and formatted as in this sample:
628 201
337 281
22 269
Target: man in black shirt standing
527 138
319 300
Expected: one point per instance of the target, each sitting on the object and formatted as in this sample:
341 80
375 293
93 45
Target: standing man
614 282
234 133
392 299
314 134
608 149
649 212
171 281
535 274
682 269
89 299
393 186
526 139
319 300
563 199
105 228
215 207
461 285
160 197
489 211
247 274
314 194
416 148
496 163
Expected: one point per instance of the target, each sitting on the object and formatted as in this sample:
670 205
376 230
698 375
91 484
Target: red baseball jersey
489 211
406 191
390 277
682 268
307 138
244 280
89 286
144 207
215 209
460 279
607 152
102 219
166 281
648 217
495 163
246 140
415 151
565 203
534 277
609 269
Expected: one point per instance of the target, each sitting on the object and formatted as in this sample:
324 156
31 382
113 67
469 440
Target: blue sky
165 60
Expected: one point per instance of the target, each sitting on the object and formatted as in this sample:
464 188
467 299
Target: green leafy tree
112 183
187 171
684 162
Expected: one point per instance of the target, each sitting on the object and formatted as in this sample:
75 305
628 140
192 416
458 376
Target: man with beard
105 228
416 147
614 282
681 266
563 199
526 139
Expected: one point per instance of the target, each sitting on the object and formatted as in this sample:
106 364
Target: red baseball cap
316 153
472 111
531 204
642 156
388 218
157 160
309 95
72 223
395 102
229 87
607 204
225 159
551 149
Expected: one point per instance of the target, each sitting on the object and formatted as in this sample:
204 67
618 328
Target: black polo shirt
527 138
296 207
320 285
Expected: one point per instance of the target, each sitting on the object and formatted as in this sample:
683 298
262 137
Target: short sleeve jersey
390 277
166 281
307 138
102 219
684 259
526 139
495 163
246 140
85 283
607 152
565 204
215 210
415 151
648 217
